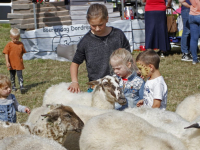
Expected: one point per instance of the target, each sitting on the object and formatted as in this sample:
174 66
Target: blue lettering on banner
80 28
56 29
73 28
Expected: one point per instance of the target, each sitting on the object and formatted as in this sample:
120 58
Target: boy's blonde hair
97 10
4 80
14 32
149 57
123 56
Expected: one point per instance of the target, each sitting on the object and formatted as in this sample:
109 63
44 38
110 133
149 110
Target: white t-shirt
155 89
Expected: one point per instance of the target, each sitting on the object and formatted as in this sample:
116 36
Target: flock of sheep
88 121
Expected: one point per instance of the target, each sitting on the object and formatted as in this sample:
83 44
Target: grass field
182 78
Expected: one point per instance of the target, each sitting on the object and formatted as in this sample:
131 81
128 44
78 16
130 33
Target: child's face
120 70
98 26
5 91
14 39
145 70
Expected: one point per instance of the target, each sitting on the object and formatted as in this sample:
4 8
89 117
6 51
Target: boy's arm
156 103
23 49
7 61
140 103
74 87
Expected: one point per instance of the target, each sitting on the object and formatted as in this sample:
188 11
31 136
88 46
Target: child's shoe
23 90
14 88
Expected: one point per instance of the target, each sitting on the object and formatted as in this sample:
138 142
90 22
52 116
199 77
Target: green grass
182 78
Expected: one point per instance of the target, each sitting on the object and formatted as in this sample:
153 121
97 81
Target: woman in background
156 35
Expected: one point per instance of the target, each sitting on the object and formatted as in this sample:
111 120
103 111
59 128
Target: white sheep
104 95
171 123
29 142
125 131
85 113
55 125
189 108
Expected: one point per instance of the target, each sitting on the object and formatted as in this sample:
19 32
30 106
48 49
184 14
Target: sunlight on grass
182 78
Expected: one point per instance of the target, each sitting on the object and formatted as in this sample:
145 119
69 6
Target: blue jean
185 39
194 21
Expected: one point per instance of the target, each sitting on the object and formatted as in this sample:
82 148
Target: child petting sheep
96 46
8 103
155 88
123 66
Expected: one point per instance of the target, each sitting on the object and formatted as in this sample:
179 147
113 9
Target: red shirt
153 5
15 53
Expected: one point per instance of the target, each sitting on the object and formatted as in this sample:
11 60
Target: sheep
29 142
171 123
194 124
85 113
104 95
189 108
167 120
58 121
125 131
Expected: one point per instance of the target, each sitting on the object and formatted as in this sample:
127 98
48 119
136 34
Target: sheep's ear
93 83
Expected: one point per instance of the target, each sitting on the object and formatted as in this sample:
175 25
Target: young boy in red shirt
14 51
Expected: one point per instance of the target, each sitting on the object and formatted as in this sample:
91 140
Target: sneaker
14 89
162 55
186 57
23 90
195 62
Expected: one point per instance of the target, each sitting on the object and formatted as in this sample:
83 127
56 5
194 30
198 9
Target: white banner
42 43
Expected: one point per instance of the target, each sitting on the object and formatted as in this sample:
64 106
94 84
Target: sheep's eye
105 84
68 115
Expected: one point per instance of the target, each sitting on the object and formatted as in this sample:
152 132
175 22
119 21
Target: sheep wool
104 95
189 108
53 125
125 131
171 123
29 142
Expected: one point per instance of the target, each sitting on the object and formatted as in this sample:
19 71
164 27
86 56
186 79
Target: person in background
185 38
194 20
8 103
156 34
14 51
124 68
96 46
155 88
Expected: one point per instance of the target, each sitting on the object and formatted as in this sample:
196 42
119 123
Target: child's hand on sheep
74 87
140 103
27 110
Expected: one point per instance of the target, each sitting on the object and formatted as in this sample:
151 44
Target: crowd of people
106 51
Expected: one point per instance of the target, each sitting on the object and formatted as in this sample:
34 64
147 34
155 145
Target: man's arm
186 4
181 1
169 3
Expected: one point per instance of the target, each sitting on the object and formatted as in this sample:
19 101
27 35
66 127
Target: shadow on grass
28 87
175 50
